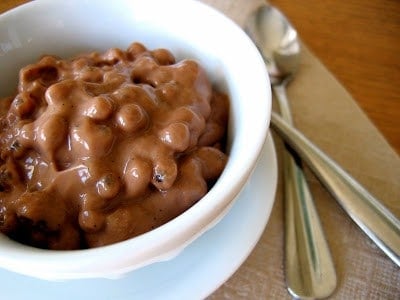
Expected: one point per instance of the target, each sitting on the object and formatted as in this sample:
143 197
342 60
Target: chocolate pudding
107 146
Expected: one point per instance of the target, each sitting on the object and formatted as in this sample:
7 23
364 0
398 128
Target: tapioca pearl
193 78
59 93
23 105
106 87
137 176
36 89
79 63
168 91
143 95
46 73
186 72
188 115
125 94
142 67
100 108
113 56
147 98
92 201
114 78
51 134
191 185
212 134
176 136
111 82
131 117
49 61
164 175
90 74
163 56
158 76
135 49
212 160
108 186
91 221
91 140
195 121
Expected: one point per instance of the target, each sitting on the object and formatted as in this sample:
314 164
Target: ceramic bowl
189 29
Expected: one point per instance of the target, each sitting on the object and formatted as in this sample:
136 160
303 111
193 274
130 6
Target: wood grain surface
359 42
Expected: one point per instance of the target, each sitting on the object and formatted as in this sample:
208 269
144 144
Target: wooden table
359 42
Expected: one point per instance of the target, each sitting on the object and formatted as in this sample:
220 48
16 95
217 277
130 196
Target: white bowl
189 29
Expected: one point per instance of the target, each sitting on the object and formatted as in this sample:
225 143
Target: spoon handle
309 268
365 210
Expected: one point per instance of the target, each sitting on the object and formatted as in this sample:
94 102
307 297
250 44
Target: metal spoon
310 272
377 222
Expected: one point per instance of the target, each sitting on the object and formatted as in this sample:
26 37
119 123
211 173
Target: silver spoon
377 222
309 268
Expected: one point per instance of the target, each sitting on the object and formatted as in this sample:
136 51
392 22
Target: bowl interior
190 30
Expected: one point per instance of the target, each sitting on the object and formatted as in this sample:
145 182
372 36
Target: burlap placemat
326 113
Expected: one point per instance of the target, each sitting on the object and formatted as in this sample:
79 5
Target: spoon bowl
277 42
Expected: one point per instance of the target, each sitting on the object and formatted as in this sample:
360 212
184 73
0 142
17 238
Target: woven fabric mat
325 112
